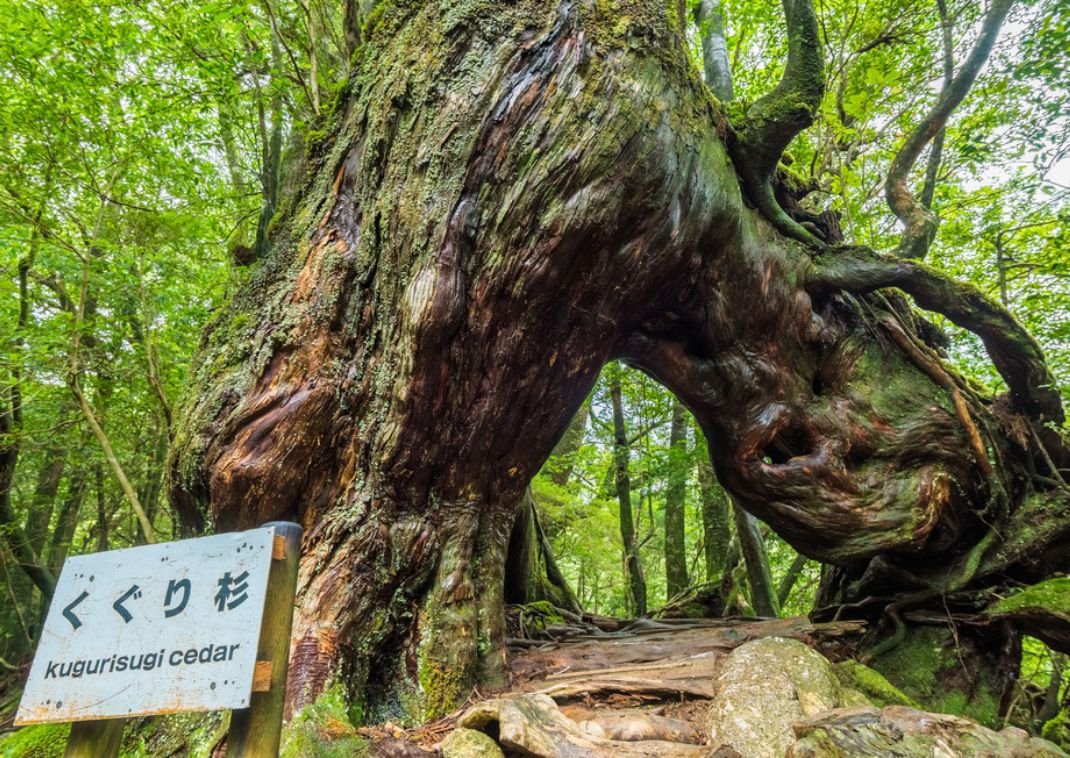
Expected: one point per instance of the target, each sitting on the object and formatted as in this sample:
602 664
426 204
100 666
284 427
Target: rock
870 683
468 743
901 732
767 685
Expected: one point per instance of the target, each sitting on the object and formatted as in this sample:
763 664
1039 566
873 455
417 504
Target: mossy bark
505 197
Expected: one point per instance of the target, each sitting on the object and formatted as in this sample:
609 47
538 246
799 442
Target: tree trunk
67 520
716 523
49 478
531 573
270 147
633 564
509 196
762 595
675 550
787 582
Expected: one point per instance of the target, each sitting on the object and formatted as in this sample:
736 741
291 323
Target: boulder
765 687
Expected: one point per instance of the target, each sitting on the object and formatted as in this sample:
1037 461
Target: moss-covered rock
906 732
193 735
870 683
929 669
765 687
38 741
468 743
1058 730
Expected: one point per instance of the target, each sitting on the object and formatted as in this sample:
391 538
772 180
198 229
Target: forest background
145 148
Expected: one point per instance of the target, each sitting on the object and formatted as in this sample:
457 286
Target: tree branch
919 221
709 17
1014 352
113 461
766 128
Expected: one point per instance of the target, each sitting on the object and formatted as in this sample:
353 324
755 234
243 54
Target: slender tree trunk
113 462
633 566
102 509
716 522
49 478
67 519
709 16
763 596
19 542
787 582
675 501
271 126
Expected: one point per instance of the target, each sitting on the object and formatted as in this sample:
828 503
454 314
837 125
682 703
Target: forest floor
641 688
695 688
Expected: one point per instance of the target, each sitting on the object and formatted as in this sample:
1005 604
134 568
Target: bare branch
919 220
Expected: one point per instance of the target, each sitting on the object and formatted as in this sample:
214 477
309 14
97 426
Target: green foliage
39 741
580 516
131 160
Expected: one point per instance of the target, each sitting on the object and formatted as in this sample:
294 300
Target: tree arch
505 197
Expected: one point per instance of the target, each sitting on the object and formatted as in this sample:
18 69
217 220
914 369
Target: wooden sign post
255 731
194 625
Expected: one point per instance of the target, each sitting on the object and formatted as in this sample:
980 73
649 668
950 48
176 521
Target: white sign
153 629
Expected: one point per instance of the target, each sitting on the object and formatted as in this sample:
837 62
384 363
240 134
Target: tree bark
508 197
531 572
565 450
